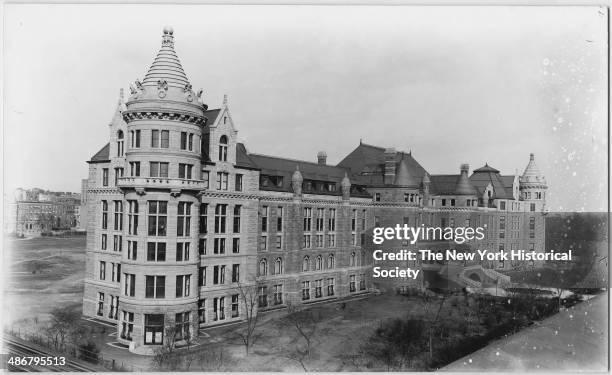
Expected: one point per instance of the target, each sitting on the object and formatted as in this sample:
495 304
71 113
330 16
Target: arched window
223 148
352 260
331 262
120 143
319 263
306 264
263 267
278 266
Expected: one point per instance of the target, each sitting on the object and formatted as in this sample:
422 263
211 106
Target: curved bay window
223 148
154 329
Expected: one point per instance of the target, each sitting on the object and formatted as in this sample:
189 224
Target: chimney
389 166
322 157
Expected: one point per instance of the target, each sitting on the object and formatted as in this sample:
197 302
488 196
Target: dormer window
120 143
223 148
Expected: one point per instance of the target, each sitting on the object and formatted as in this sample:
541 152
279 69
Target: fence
74 351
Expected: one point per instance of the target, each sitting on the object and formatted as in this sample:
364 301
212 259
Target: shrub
88 351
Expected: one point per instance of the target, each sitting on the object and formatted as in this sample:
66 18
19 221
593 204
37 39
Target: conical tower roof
166 66
403 176
464 186
532 173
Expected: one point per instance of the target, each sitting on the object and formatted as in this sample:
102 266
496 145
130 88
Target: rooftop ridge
297 160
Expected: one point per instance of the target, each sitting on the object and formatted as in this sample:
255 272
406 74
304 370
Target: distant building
181 217
34 212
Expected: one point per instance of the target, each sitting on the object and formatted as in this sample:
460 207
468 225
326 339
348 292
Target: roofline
297 160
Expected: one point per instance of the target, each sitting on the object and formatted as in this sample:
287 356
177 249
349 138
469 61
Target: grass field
40 274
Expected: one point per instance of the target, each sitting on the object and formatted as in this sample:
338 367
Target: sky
451 84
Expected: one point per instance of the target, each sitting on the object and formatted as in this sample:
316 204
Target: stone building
183 223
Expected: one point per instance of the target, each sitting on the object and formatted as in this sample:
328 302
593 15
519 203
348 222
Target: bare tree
165 356
63 321
426 300
249 298
306 322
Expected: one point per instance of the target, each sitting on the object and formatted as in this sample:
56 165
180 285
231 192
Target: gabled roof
211 115
366 165
486 168
102 155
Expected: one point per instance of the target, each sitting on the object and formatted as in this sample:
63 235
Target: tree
165 356
305 321
426 299
249 298
63 321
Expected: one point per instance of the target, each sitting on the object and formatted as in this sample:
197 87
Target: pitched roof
486 175
243 159
443 184
102 155
366 164
166 66
211 115
273 165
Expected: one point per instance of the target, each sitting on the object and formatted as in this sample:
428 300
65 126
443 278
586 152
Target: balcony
176 184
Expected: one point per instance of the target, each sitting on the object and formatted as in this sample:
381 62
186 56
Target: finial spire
531 156
168 37
225 99
121 95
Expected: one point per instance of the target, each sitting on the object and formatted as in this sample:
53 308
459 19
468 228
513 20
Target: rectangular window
263 296
154 329
264 219
158 217
103 242
135 169
130 284
182 251
185 171
235 273
155 286
183 140
127 324
319 240
331 240
238 182
377 197
220 217
279 219
118 215
320 219
354 221
181 325
156 251
203 218
117 243
104 215
202 310
502 205
202 276
330 286
235 312
158 169
132 217
183 284
136 139
237 209
132 250
190 142
219 245
263 242
219 308
102 270
352 286
202 246
306 241
331 224
278 294
100 303
222 178
105 177
318 288
279 241
219 275
235 245
502 223
206 178
307 219
183 224
305 290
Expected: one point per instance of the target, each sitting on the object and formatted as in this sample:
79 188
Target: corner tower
532 186
161 187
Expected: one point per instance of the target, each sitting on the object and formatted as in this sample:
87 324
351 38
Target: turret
296 182
346 187
532 185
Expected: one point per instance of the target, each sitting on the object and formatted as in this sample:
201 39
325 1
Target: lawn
40 274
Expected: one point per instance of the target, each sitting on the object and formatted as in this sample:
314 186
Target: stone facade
183 221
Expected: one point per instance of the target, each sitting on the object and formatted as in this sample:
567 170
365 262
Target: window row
155 286
219 275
